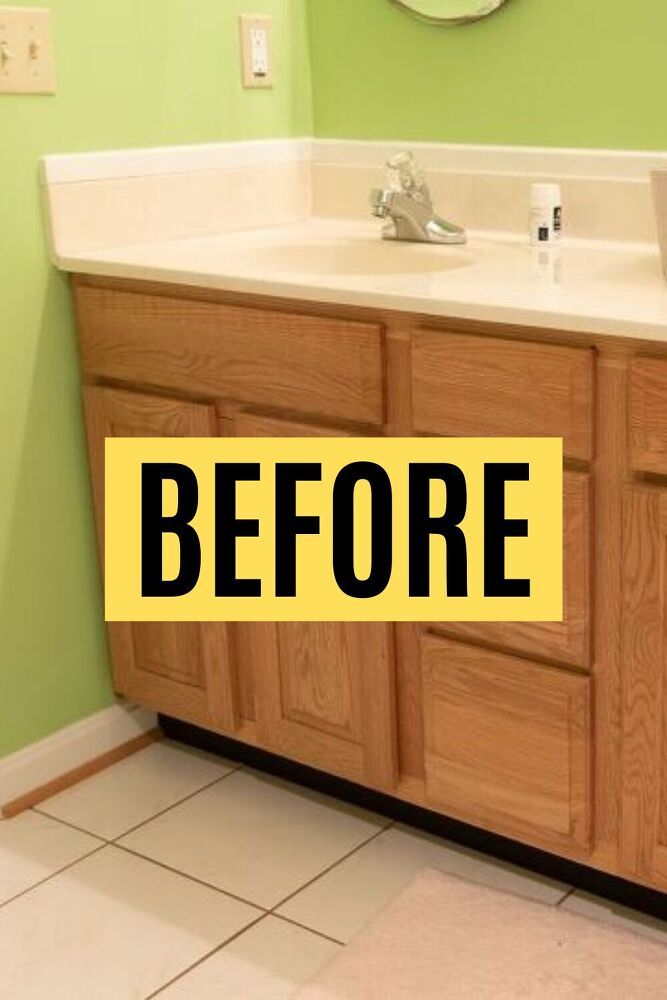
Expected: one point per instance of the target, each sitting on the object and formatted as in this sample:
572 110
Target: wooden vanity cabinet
551 733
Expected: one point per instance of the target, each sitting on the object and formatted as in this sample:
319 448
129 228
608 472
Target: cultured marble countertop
583 286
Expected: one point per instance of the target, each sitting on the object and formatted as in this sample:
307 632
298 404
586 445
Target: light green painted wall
130 73
538 72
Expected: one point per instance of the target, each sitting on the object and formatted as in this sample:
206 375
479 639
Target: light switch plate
256 50
26 51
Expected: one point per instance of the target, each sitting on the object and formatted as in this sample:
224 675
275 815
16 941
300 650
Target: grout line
53 875
173 805
205 957
265 913
67 823
305 927
112 840
191 878
567 895
330 868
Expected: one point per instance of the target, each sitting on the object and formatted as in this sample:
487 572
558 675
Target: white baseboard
69 748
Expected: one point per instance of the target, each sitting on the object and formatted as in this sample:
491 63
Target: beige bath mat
447 939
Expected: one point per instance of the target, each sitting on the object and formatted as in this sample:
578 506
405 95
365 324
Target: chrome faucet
407 206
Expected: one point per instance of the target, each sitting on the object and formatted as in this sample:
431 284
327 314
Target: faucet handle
405 176
378 200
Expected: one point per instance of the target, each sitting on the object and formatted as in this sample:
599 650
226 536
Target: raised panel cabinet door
644 672
567 641
647 419
324 692
179 668
508 744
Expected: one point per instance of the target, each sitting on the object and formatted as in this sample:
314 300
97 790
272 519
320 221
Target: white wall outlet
256 50
26 51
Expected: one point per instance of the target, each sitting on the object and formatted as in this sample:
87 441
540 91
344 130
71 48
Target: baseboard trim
581 876
41 769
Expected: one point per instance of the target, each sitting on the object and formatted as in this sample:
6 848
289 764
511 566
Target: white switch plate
256 50
26 51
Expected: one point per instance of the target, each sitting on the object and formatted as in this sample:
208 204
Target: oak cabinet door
323 692
179 668
508 744
644 667
563 642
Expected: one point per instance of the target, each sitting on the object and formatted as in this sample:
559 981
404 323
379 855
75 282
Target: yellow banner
334 529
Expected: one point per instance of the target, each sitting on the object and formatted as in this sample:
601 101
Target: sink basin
358 257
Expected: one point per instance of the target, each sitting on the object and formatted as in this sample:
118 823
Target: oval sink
352 258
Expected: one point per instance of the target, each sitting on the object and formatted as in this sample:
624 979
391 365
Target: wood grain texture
566 642
324 692
648 415
407 635
508 743
302 363
610 470
483 386
644 817
175 667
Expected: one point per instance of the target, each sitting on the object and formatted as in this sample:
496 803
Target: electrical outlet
256 50
26 51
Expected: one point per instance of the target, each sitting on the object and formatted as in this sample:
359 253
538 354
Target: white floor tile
620 916
255 836
267 962
136 789
342 901
33 847
112 927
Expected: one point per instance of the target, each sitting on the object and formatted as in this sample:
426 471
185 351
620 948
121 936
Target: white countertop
583 286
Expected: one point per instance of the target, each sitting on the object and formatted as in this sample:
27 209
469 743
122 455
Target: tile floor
181 876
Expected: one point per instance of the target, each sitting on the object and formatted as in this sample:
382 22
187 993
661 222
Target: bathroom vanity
553 734
243 290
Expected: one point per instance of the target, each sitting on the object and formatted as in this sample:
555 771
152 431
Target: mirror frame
490 8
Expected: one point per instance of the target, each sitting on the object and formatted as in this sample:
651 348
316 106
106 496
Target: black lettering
422 525
497 528
381 529
155 524
229 527
289 524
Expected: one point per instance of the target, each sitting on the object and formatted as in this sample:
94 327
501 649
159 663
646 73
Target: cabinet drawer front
478 386
507 744
303 363
567 641
648 415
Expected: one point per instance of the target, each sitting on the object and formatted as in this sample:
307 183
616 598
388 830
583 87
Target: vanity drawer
507 744
568 641
648 415
481 386
304 363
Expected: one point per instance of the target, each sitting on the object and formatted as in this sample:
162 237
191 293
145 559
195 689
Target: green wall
130 73
538 72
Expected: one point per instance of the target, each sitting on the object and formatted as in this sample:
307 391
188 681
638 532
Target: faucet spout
407 208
